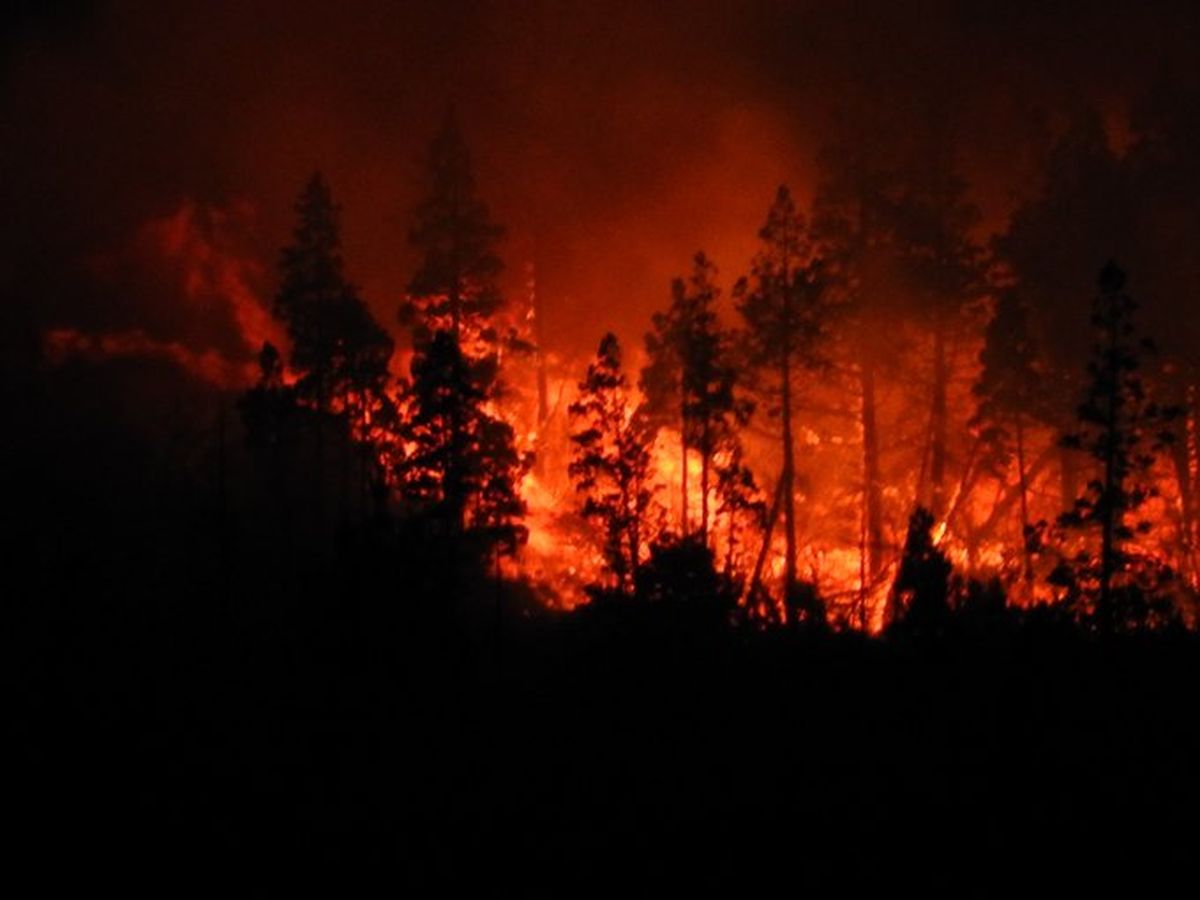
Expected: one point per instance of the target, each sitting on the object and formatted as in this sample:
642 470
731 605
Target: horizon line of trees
882 280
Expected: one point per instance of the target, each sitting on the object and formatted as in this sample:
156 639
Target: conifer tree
463 465
611 463
852 227
1121 429
1081 214
661 384
1009 398
692 368
931 225
337 346
339 352
782 304
454 288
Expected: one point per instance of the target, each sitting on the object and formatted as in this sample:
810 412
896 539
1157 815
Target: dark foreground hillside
184 696
600 746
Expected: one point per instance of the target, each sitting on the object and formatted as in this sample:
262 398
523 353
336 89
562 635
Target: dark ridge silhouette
288 625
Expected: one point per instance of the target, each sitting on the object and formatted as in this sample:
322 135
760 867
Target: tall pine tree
1121 429
932 222
611 463
782 304
1009 399
454 289
463 466
339 353
692 370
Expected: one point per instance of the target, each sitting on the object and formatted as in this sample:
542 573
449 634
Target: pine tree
463 466
851 225
740 502
1121 429
465 476
337 346
1163 166
611 463
1081 214
782 304
692 368
1009 398
339 352
454 288
661 384
931 223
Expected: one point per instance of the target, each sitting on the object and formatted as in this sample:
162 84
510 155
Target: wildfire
978 526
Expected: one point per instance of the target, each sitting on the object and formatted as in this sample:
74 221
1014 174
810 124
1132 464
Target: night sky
612 139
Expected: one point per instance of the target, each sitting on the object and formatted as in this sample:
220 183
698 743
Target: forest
867 559
885 422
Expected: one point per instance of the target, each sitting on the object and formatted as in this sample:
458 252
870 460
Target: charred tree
931 223
610 467
1009 398
463 466
1121 430
339 353
782 304
852 228
692 356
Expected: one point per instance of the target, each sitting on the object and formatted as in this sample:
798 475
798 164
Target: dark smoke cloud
613 139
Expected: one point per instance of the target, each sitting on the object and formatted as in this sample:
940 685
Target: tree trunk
872 491
704 469
543 398
768 530
1027 561
789 479
683 468
633 533
937 425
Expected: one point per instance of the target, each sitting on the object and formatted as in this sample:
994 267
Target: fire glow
850 560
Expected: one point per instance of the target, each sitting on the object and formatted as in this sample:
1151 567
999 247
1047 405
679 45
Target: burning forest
561 372
878 369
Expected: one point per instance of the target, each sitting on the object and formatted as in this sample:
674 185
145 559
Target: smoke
613 139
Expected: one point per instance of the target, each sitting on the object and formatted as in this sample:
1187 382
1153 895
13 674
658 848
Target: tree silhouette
462 465
662 386
336 345
740 501
851 224
1081 215
782 303
1121 429
1009 397
931 223
611 463
1163 166
454 288
461 468
920 597
339 352
692 368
